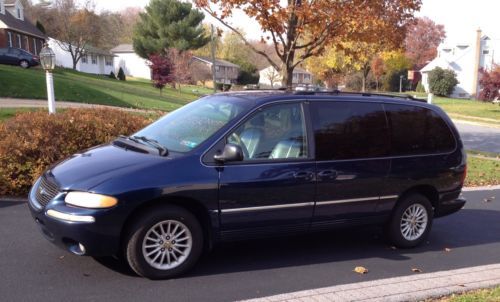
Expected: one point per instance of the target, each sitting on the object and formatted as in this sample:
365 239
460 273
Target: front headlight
90 200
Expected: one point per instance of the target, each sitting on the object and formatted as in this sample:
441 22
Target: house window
94 59
10 38
26 43
84 58
35 50
109 61
19 41
217 68
307 77
18 13
485 52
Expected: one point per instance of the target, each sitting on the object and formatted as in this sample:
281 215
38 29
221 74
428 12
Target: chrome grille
45 192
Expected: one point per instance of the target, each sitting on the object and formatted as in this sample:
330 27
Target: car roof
268 96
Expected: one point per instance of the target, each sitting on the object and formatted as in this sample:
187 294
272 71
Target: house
225 72
465 59
94 60
17 31
271 78
130 62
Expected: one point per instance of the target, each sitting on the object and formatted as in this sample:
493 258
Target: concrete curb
407 288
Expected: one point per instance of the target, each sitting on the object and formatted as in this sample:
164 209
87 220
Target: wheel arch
192 205
428 191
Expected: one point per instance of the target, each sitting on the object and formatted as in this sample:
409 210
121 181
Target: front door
352 149
272 189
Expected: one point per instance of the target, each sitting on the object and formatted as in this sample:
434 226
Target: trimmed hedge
31 141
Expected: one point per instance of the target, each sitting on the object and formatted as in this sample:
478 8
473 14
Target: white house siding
461 59
132 65
300 77
63 59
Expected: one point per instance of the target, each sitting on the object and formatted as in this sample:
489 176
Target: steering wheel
236 138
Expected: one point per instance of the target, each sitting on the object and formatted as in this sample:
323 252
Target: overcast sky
461 18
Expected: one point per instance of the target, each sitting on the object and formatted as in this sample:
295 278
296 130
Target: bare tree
272 75
74 28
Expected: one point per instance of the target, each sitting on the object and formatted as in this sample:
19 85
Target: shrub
223 87
442 81
112 75
121 75
420 87
31 141
490 84
391 79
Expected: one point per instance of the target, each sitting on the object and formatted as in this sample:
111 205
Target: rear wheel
164 243
24 64
411 221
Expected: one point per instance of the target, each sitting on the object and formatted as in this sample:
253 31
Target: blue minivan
241 165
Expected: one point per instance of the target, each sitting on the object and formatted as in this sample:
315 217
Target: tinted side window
3 51
348 130
14 51
417 130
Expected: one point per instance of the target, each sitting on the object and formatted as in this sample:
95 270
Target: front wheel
410 222
164 243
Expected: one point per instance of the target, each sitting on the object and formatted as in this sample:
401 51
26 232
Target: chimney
477 65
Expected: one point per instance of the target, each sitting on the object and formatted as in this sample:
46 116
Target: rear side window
417 130
349 130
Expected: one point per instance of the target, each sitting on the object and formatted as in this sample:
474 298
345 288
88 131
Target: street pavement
478 137
32 269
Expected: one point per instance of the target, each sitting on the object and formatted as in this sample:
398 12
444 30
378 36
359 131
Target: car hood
84 171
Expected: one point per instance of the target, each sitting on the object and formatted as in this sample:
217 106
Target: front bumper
99 238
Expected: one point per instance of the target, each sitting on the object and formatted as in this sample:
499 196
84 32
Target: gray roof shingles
25 26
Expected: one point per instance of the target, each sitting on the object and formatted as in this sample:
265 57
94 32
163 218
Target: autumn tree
301 29
168 24
272 76
161 71
490 84
74 29
181 72
378 69
422 41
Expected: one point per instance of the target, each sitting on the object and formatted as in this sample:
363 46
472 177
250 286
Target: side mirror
231 152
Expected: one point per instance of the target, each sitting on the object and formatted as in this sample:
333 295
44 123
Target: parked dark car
17 56
241 165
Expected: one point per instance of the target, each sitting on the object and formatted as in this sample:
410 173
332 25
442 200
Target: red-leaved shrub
490 84
31 141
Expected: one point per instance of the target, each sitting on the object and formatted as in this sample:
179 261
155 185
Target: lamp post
400 83
48 61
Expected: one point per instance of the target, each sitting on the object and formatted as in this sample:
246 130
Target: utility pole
400 84
212 41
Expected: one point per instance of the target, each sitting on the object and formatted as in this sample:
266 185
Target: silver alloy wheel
167 244
24 64
414 222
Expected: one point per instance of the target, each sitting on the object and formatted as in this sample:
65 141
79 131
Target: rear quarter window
349 130
417 130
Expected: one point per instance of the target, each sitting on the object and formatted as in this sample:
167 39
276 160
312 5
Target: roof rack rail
338 92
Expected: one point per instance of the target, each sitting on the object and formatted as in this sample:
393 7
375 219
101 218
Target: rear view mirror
231 152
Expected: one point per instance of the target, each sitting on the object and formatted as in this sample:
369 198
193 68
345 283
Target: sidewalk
408 288
27 103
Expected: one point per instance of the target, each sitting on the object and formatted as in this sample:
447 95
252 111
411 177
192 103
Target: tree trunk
363 83
287 76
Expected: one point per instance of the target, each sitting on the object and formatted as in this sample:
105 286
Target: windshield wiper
143 139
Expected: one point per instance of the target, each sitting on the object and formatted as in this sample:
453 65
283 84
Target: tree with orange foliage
422 41
301 29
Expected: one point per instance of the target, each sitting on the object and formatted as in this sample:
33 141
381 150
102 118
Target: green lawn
483 170
6 113
483 295
466 109
74 86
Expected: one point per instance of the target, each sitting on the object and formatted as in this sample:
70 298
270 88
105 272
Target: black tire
24 64
394 230
133 249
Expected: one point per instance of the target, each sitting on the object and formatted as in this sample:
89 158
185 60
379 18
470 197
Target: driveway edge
407 288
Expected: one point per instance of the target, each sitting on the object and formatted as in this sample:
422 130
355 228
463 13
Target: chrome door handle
328 174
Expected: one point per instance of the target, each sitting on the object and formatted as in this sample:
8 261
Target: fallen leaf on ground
447 249
61 257
393 248
360 270
416 270
461 285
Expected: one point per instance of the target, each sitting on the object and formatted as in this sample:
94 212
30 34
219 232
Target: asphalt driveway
480 138
34 270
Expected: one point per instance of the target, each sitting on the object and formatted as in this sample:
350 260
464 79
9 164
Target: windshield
185 128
